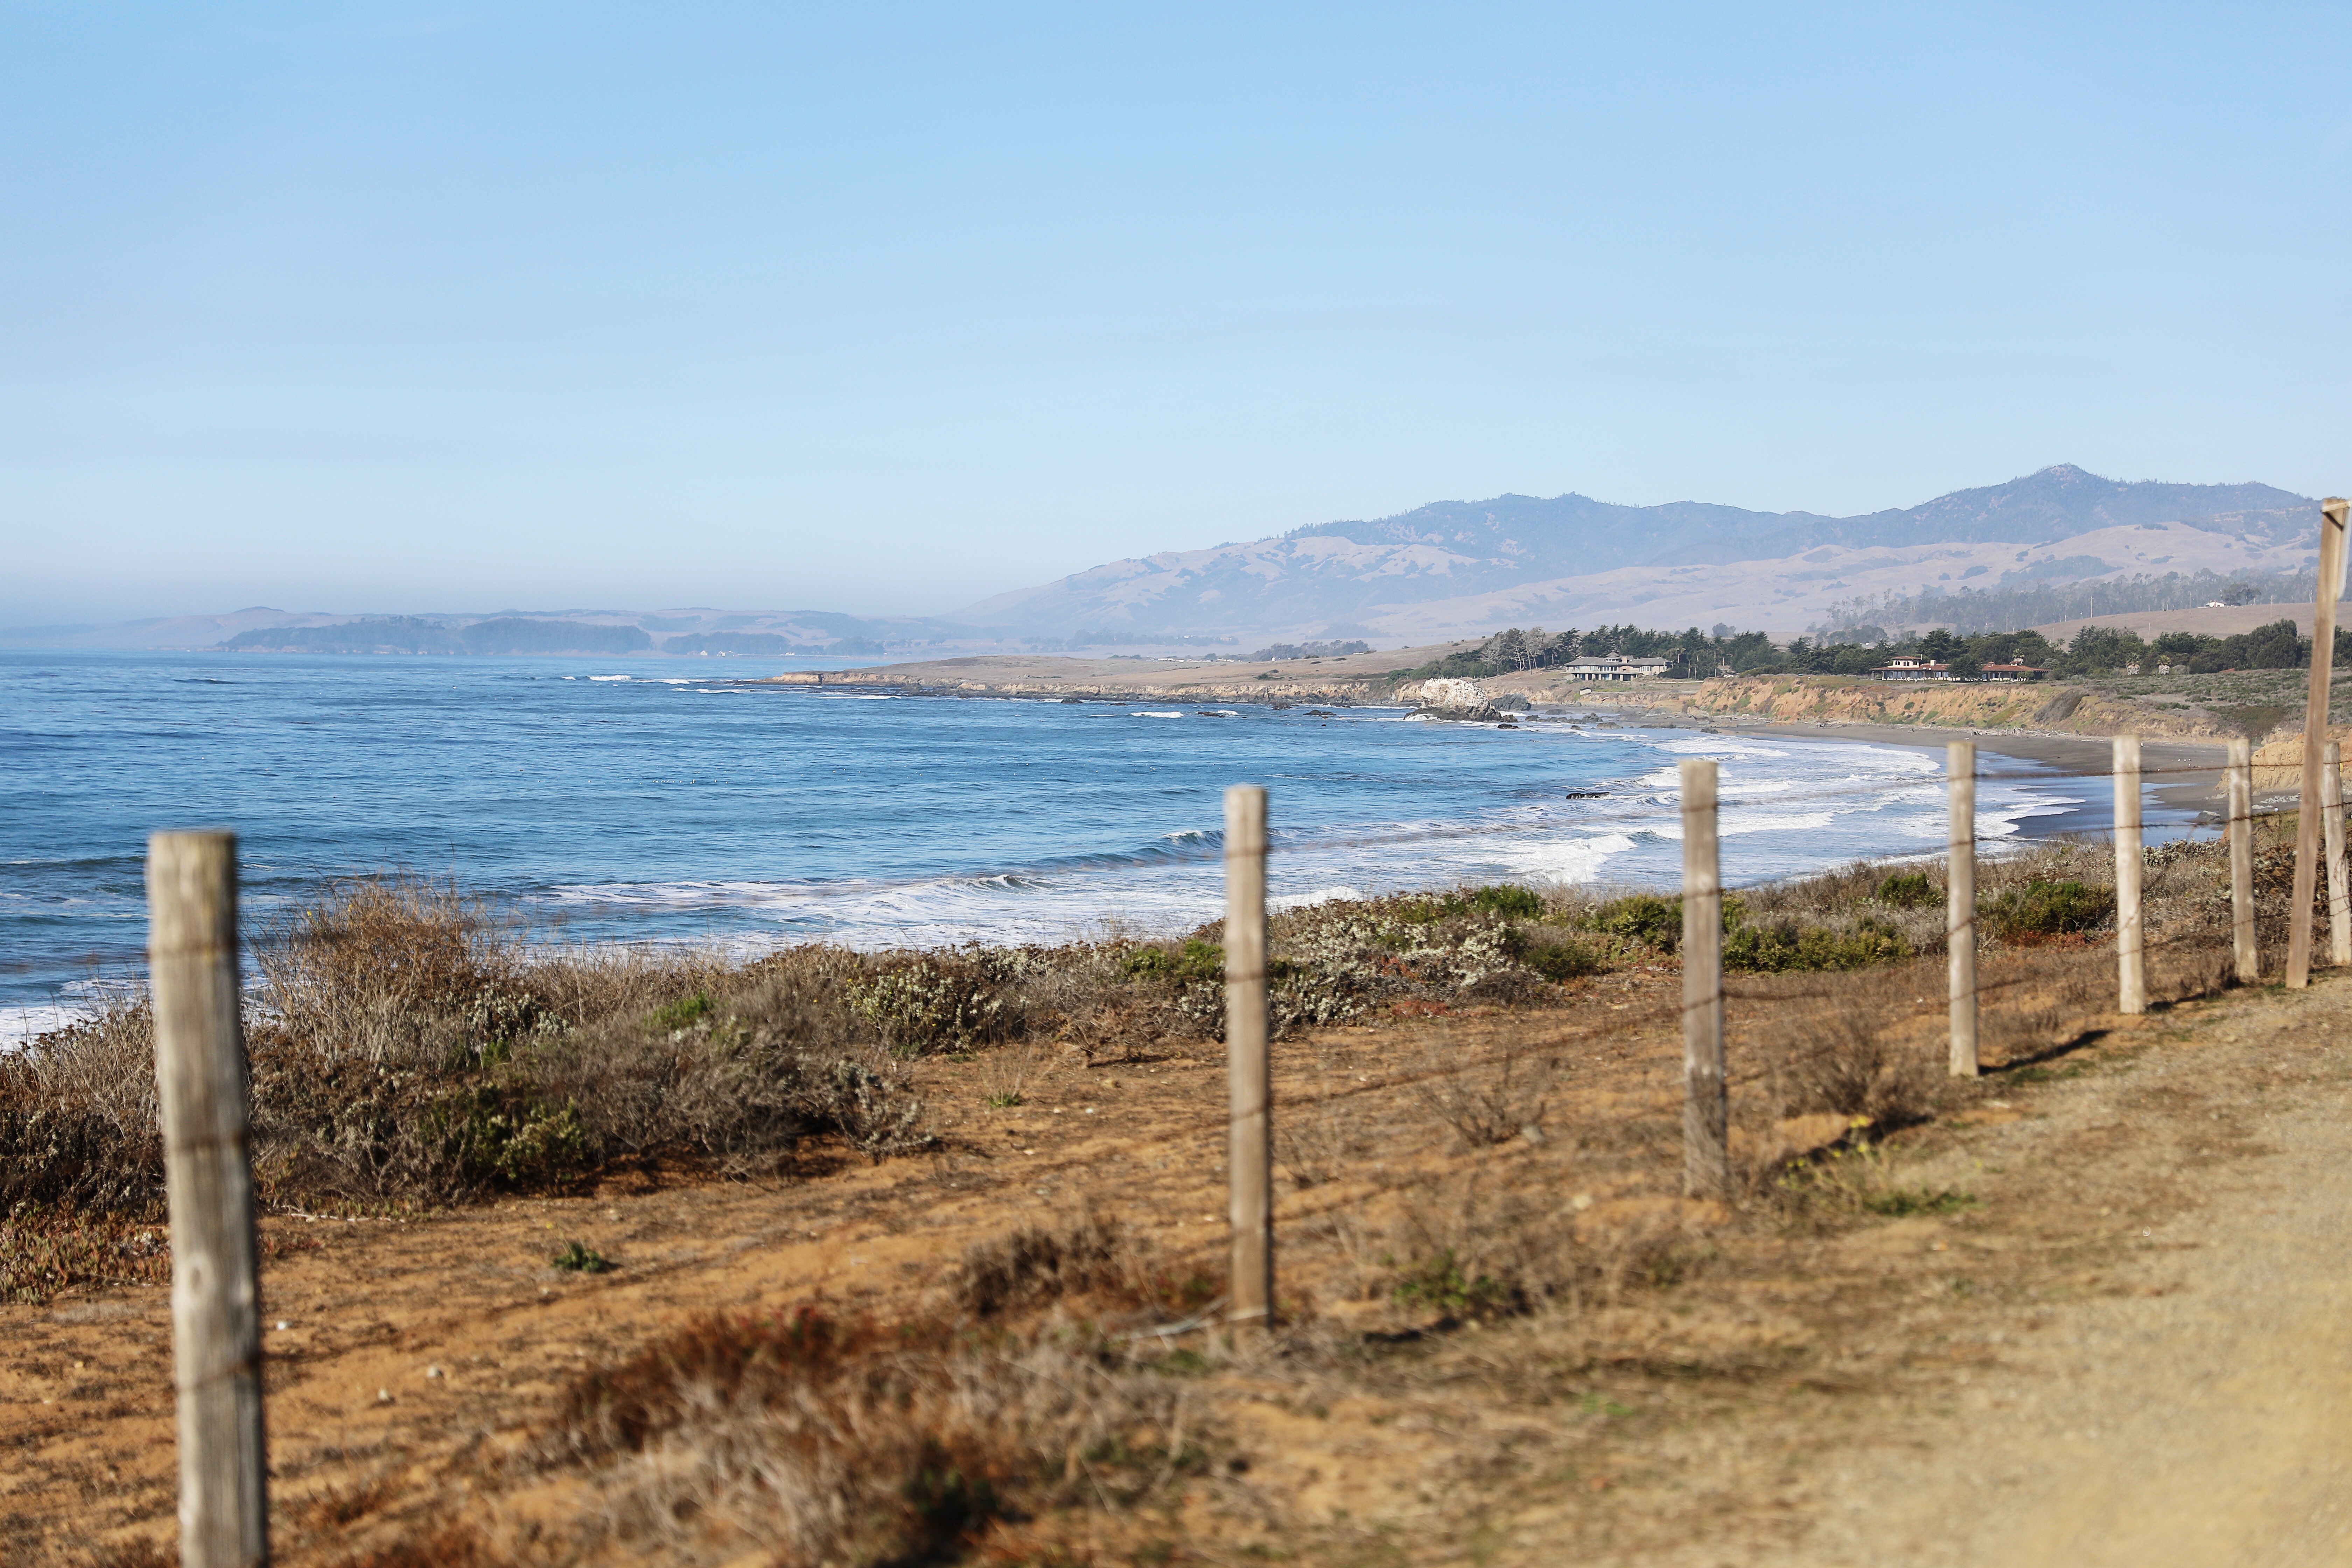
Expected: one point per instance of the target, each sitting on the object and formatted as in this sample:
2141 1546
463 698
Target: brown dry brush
826 1439
1095 1261
409 1045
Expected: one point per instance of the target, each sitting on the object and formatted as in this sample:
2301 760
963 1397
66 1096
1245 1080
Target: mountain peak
1572 556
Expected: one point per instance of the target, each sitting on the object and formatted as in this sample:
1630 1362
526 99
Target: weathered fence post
2339 909
208 1180
2241 861
1250 1158
2131 957
2315 738
1706 1109
1960 904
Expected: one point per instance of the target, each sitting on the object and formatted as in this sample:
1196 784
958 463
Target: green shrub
2043 910
1903 1203
1555 956
1910 891
493 1136
579 1257
1645 918
1440 1286
1197 960
681 1013
1777 946
1508 899
928 1006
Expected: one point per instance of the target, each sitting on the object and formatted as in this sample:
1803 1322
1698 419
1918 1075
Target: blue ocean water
660 799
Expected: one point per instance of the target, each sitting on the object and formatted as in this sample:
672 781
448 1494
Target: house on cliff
1616 669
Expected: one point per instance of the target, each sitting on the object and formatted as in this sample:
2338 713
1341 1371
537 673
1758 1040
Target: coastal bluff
2072 709
2060 709
2069 709
1355 679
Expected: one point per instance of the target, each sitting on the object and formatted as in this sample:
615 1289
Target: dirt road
2196 1411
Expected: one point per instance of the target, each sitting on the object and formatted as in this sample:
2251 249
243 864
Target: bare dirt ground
2090 1310
2189 1403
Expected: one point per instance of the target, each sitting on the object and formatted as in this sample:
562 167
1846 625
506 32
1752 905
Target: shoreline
2181 803
2193 767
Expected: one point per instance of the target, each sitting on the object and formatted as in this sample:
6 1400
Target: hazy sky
452 306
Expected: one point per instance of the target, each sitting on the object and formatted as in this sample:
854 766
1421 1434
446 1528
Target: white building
1617 668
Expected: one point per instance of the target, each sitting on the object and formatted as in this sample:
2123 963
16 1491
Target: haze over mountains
1458 569
1445 570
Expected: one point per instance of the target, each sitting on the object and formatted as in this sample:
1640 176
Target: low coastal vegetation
1476 1160
411 1045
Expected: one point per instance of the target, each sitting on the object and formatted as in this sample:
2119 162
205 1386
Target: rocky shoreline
2072 734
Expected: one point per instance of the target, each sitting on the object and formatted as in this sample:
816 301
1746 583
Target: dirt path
2195 1411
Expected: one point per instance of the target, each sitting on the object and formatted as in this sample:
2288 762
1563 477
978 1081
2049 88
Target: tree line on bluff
1695 654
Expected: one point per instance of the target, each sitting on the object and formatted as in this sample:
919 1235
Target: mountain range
1449 569
1460 568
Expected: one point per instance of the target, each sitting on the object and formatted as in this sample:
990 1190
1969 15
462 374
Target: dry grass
829 1440
1437 1252
1848 1059
1492 1098
1033 1266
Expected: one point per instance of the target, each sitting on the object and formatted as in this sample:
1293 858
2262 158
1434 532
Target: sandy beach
2183 774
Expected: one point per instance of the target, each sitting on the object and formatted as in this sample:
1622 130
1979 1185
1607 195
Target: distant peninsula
511 634
2059 544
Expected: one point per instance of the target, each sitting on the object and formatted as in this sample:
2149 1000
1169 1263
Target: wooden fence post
208 1180
1250 1157
2339 908
2131 957
1706 1110
2241 861
1960 904
2315 738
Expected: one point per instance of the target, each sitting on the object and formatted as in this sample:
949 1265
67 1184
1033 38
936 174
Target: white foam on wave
1309 898
19 1025
609 678
1566 861
1711 746
1783 814
1155 715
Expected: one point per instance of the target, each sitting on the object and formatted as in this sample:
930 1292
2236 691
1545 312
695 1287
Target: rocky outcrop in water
1448 697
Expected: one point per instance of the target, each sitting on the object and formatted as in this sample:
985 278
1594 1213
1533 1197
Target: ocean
634 800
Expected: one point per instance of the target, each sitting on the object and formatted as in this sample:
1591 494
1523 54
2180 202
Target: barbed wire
1661 1013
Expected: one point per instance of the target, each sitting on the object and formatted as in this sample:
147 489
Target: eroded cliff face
1960 706
1839 699
1989 705
1786 699
2278 764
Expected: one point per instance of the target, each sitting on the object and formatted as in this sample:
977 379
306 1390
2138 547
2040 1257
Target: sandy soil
2189 1407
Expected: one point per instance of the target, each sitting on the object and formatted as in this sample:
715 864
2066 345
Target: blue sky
452 306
